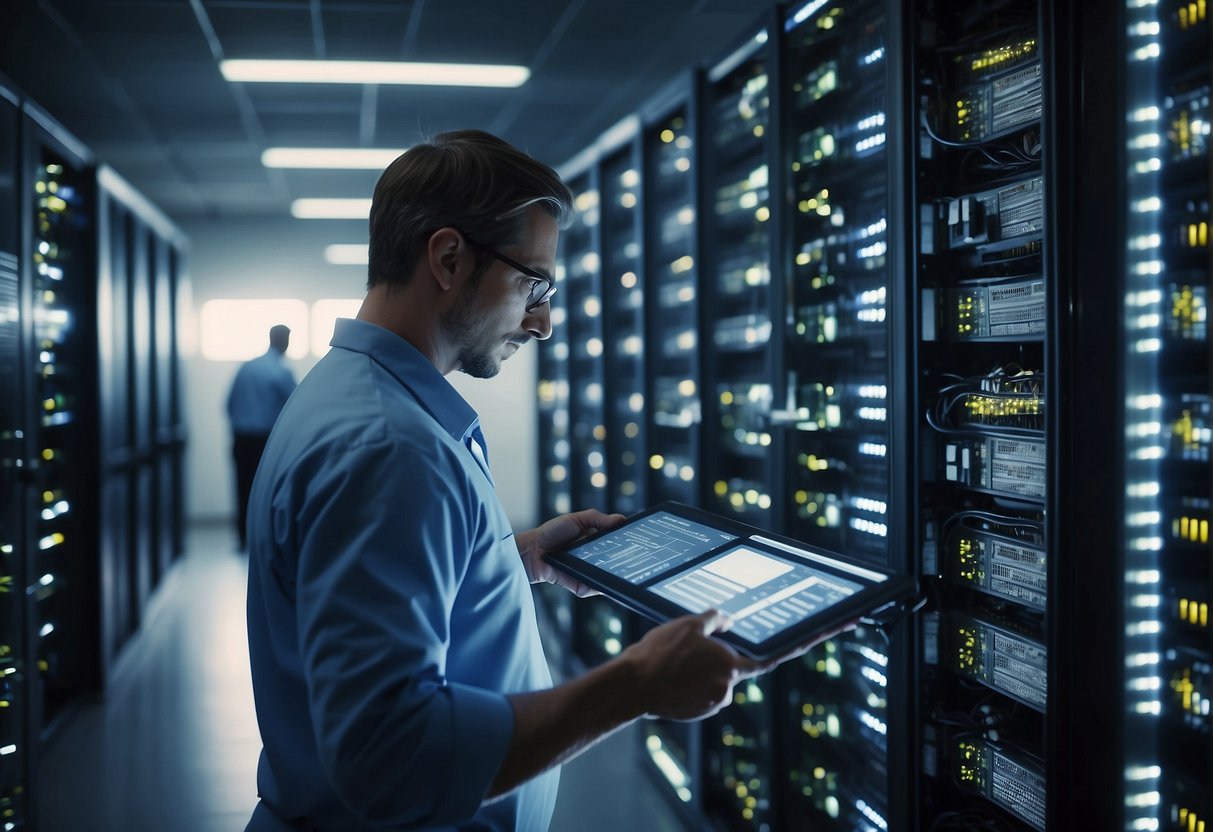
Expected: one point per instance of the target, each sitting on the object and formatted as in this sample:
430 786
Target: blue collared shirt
260 389
389 612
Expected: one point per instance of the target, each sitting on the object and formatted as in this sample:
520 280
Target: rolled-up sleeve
384 536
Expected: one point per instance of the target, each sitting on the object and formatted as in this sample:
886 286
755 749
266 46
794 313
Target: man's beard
474 358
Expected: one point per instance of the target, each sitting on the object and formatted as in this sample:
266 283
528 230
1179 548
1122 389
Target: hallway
174 745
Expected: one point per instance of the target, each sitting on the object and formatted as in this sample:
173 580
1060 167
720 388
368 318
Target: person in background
260 389
397 670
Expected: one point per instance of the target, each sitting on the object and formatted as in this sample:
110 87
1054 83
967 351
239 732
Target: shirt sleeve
383 546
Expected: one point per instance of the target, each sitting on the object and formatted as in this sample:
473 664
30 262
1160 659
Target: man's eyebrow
544 272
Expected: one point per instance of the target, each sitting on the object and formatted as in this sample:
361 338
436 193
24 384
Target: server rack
1167 766
672 258
840 148
14 656
742 308
671 751
597 624
986 477
623 282
60 395
142 433
555 497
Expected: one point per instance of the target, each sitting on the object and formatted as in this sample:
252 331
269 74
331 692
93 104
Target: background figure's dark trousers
246 450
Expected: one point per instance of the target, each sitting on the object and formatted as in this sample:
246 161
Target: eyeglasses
541 290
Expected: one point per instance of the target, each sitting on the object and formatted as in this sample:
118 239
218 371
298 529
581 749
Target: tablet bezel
639 597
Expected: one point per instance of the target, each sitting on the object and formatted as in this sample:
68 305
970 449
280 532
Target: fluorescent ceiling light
343 158
331 209
375 72
340 254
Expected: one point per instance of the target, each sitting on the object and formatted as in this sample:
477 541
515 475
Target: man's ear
442 255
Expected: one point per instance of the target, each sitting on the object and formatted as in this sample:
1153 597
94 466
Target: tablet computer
671 560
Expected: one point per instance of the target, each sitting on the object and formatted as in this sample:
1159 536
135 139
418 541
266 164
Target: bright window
324 314
237 330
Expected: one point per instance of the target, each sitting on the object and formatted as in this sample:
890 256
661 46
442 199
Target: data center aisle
175 743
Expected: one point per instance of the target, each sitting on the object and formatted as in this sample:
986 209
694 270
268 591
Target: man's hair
280 336
469 180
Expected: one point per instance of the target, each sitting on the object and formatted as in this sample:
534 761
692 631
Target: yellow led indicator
721 488
599 433
667 135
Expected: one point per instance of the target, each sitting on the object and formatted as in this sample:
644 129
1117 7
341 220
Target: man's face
489 322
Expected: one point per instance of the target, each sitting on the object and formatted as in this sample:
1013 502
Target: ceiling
138 81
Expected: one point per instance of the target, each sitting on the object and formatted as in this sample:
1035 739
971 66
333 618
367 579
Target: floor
174 744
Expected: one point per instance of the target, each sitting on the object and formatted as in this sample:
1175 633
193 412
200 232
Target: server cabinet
624 348
671 751
743 362
1167 766
141 272
15 739
60 395
839 149
984 478
555 498
671 269
553 407
597 624
741 306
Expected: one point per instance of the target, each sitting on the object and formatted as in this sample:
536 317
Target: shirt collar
412 369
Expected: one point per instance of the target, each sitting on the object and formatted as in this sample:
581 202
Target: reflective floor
174 745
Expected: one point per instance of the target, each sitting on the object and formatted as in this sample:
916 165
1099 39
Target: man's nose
538 323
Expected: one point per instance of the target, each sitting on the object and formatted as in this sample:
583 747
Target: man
260 389
399 678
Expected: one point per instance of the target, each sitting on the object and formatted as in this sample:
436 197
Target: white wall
284 259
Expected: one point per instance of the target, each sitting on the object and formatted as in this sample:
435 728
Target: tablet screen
765 594
653 544
673 559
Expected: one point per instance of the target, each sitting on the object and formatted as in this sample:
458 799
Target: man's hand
558 533
686 674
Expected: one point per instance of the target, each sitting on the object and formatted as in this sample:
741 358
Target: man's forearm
555 725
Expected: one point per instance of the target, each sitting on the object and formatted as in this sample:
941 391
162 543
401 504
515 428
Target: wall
284 259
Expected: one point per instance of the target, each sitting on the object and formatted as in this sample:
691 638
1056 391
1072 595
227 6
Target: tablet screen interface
763 593
651 545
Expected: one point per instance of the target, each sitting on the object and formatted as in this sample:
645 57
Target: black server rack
840 149
15 741
672 332
623 282
597 624
1167 770
141 280
58 301
555 496
983 477
739 207
552 384
671 751
740 304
